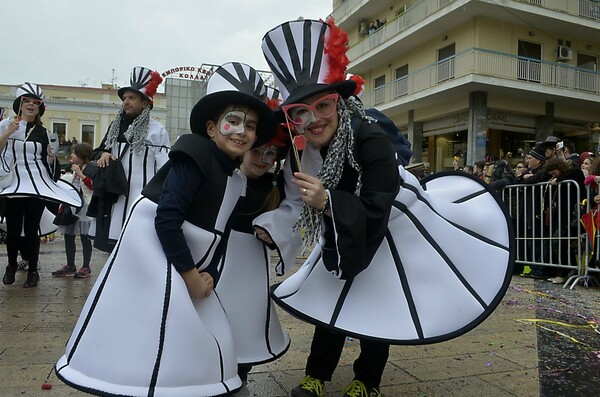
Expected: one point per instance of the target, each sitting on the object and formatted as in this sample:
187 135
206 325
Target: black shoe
539 275
9 275
309 387
33 279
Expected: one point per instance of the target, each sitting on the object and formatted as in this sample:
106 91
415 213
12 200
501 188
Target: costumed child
244 280
28 170
151 325
394 262
80 224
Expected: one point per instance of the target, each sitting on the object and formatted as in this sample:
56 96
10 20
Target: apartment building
478 77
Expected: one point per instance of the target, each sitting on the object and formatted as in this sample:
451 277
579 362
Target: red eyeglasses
301 113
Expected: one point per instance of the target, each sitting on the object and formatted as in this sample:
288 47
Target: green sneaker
309 387
358 389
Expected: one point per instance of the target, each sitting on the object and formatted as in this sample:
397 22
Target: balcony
587 10
529 74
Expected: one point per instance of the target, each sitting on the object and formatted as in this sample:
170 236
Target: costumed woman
168 334
395 262
28 171
244 279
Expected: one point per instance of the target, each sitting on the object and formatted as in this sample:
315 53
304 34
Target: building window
87 134
60 129
64 147
379 91
529 65
585 74
445 65
401 81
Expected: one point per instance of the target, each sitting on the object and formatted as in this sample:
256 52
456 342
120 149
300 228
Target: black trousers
23 215
326 350
71 249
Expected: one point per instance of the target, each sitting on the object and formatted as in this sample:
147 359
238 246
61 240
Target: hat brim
208 107
17 103
122 90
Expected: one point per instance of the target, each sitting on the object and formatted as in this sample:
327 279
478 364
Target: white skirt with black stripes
140 333
243 289
30 177
443 267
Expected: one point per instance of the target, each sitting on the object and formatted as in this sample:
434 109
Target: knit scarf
340 151
136 133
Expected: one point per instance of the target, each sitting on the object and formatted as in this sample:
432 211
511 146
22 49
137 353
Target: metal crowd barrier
556 239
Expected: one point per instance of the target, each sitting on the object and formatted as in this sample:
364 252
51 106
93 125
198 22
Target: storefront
445 140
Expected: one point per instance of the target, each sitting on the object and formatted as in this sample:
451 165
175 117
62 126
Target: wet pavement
542 340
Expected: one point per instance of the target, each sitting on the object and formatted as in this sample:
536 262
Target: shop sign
461 118
497 117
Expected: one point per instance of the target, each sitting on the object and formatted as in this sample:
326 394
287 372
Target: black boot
9 275
33 279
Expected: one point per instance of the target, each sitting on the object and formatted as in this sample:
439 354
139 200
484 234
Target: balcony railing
487 63
582 8
410 17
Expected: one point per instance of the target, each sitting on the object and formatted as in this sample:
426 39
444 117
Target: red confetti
46 386
300 142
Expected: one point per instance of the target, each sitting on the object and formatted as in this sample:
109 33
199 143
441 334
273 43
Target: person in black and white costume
245 274
395 262
139 142
168 333
28 168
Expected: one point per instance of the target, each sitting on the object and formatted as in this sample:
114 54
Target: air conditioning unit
564 53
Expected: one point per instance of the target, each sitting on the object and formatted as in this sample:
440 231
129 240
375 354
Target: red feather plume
272 103
335 47
281 138
360 83
155 80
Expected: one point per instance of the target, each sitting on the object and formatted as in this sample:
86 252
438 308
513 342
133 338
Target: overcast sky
80 42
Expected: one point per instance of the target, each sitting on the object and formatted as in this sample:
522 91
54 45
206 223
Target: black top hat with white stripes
308 57
239 84
143 81
30 90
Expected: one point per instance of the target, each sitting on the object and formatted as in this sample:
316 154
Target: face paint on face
232 123
269 155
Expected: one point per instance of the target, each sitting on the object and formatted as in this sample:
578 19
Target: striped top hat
234 83
308 57
30 90
272 93
143 81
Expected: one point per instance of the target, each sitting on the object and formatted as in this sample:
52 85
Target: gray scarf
136 133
